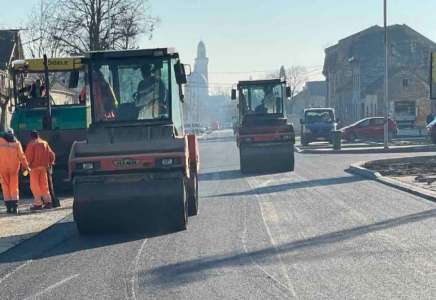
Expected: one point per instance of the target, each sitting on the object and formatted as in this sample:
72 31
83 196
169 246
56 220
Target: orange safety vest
11 156
39 154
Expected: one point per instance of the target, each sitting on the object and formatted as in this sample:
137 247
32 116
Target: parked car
369 129
318 124
431 129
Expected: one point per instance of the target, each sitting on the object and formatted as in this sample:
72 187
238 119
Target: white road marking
131 294
14 271
289 286
52 287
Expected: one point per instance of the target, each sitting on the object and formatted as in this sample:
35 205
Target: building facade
313 95
354 71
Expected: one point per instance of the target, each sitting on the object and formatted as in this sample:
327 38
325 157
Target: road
317 233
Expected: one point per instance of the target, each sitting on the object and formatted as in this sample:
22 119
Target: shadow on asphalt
187 272
295 185
63 238
221 175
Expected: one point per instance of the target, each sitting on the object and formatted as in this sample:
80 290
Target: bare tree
87 25
72 27
38 36
296 77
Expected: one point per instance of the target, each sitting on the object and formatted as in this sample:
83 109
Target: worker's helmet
34 134
9 135
10 131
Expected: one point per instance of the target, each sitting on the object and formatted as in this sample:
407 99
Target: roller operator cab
136 164
49 97
264 136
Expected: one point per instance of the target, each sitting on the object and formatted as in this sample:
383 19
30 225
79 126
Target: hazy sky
244 36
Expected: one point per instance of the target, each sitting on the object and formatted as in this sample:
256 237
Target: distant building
218 108
200 106
197 89
354 71
313 95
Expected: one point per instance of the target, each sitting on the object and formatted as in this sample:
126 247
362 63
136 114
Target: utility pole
386 85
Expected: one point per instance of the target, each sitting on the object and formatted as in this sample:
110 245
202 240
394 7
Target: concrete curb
369 150
297 149
358 169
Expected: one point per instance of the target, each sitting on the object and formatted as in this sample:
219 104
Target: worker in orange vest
11 157
41 158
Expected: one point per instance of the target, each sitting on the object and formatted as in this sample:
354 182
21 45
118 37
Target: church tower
197 89
202 62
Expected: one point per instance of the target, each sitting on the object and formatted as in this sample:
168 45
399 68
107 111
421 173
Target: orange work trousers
9 183
39 185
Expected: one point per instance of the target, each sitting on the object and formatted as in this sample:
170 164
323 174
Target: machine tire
181 211
292 162
82 223
193 195
242 166
243 163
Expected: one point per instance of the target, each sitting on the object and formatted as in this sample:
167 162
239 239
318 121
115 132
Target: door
361 130
376 130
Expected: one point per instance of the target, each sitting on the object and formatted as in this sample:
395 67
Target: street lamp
386 85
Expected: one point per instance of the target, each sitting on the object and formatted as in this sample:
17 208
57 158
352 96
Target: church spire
201 50
202 62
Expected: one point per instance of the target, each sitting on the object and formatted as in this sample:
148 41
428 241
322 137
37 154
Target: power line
263 71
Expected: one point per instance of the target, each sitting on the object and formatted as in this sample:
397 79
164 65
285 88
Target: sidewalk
396 146
16 228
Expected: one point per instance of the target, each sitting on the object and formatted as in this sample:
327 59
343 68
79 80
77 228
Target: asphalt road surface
317 233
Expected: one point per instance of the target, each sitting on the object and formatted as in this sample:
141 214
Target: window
405 83
364 123
413 46
262 99
31 89
377 121
131 90
405 108
319 116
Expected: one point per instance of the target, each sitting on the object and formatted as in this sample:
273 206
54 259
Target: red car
369 128
431 128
